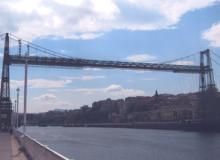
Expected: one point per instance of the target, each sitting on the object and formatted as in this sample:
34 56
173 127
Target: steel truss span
80 63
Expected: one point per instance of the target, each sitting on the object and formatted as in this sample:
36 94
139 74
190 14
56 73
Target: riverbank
187 125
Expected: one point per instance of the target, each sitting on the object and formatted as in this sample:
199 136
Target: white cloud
141 58
92 69
87 90
41 83
169 12
87 36
88 19
52 84
86 77
142 71
47 102
183 62
213 35
46 97
112 90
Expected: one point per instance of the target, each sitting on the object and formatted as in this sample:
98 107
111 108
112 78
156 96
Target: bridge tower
5 101
206 72
208 102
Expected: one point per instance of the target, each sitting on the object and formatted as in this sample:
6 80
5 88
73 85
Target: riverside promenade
9 148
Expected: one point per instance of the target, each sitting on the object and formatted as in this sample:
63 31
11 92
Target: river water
128 144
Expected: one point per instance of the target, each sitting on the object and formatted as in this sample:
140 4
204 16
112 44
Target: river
128 144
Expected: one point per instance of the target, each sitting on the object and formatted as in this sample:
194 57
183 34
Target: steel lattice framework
76 62
5 101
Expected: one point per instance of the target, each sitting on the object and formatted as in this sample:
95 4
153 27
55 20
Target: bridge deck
9 148
80 63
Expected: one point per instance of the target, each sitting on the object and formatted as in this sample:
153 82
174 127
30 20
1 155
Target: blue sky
126 30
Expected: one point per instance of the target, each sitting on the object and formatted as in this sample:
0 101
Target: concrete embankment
36 150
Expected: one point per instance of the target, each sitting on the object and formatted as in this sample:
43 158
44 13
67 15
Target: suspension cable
215 61
178 59
215 54
42 49
60 55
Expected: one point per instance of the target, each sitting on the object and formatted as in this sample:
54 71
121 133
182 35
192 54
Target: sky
124 30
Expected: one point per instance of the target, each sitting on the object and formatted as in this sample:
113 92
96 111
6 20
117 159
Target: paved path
5 146
9 148
16 153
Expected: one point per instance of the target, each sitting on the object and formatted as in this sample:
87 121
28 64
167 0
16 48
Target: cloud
41 83
183 62
49 101
112 90
46 97
92 69
87 36
160 14
52 84
142 71
213 35
141 58
86 77
89 19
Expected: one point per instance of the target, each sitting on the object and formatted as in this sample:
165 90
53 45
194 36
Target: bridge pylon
206 81
209 101
5 100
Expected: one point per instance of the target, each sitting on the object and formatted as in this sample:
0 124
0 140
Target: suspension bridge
55 59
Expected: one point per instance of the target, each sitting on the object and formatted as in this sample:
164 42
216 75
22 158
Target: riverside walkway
9 148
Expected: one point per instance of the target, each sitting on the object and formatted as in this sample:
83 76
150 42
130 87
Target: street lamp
25 88
17 109
14 114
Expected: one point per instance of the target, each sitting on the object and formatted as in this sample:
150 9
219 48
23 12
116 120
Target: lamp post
25 98
14 114
17 109
25 89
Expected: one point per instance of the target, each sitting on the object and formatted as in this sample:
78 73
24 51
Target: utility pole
17 107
